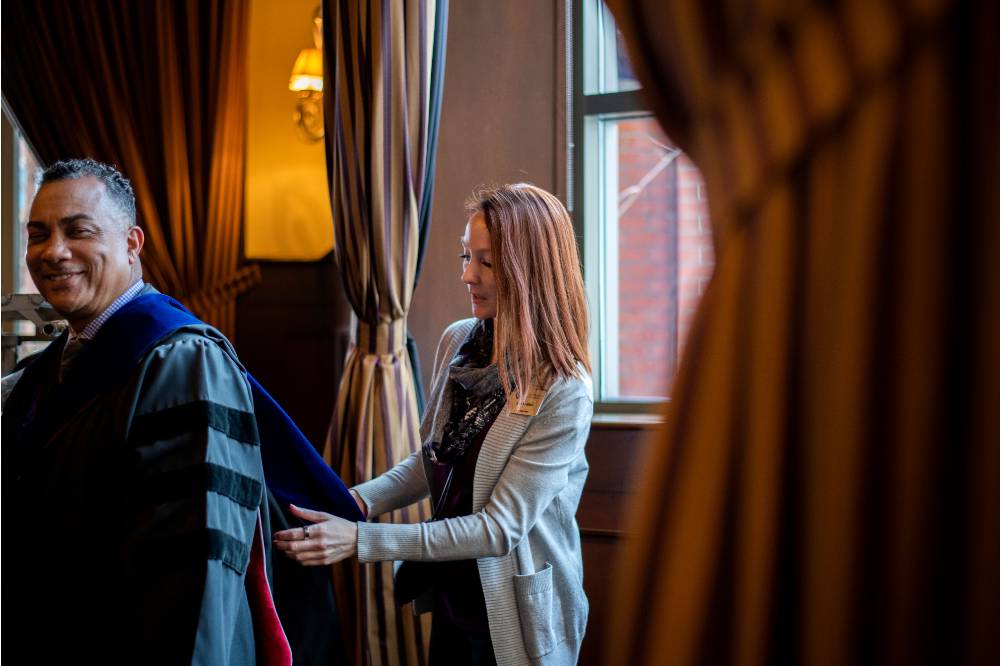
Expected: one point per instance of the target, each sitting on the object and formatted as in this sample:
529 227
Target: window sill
623 421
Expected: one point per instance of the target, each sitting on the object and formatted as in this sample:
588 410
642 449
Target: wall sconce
307 81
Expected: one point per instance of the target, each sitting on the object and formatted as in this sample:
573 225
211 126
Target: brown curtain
828 487
382 69
157 88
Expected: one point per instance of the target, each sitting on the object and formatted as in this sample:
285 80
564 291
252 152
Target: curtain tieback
224 290
381 338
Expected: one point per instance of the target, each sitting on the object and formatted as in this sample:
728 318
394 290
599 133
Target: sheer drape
157 88
828 486
381 115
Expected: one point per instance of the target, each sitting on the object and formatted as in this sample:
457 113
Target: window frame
584 154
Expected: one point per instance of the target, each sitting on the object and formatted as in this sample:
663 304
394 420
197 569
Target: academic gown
134 489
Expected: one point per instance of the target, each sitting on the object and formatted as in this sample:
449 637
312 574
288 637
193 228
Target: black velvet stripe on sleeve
164 554
199 479
193 416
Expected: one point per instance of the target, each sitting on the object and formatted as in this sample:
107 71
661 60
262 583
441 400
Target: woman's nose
469 274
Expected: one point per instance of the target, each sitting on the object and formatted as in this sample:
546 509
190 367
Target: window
26 173
20 172
639 204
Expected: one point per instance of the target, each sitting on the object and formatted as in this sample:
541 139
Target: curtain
433 122
158 89
381 125
828 485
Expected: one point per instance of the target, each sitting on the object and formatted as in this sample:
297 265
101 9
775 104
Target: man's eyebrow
73 218
63 221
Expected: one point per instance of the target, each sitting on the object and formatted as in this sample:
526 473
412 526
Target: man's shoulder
7 385
192 364
191 344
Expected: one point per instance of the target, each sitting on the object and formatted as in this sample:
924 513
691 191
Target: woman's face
477 268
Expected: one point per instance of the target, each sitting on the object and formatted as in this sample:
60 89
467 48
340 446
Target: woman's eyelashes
468 257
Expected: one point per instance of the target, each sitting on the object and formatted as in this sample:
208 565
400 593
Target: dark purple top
458 592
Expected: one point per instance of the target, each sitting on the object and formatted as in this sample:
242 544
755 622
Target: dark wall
292 333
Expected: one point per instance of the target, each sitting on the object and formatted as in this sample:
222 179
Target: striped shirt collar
91 329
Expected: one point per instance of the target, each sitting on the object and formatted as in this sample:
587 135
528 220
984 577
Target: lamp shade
307 74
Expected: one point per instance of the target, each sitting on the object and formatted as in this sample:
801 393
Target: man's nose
55 249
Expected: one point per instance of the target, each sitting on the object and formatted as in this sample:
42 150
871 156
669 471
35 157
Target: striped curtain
158 89
827 490
381 117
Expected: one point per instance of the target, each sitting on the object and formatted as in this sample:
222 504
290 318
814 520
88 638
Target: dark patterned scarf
473 397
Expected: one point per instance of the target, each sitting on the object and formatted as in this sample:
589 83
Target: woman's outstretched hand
329 539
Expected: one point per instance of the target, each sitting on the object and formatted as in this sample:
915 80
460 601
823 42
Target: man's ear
135 240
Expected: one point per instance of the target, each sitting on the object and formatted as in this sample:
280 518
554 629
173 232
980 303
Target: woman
504 466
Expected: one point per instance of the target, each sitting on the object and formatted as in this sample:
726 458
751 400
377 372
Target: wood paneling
613 451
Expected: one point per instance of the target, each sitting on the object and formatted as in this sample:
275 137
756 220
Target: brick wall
697 254
664 255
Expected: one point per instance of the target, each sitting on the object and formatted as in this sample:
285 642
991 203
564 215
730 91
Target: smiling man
132 453
83 243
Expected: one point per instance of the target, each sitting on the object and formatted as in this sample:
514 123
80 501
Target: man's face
81 253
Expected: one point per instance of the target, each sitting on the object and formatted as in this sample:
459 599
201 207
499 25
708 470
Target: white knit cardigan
522 530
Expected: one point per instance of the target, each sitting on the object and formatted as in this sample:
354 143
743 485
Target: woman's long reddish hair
541 329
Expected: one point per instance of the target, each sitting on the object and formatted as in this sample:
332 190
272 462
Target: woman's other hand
329 539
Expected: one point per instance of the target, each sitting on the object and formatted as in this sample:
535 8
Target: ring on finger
305 532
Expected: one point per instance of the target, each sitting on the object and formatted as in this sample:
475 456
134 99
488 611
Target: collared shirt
75 341
91 329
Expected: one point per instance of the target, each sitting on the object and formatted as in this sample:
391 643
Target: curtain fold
158 89
383 69
828 484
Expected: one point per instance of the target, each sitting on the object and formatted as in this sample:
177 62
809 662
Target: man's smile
61 276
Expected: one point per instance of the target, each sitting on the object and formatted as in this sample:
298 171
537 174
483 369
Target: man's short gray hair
117 185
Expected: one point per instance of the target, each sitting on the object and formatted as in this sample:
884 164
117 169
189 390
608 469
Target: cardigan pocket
534 606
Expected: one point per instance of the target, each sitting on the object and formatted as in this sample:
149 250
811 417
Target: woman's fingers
325 557
307 556
330 541
328 556
296 546
309 532
294 534
320 535
309 514
301 549
319 557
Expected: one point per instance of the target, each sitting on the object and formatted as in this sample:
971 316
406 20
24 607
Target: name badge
531 403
